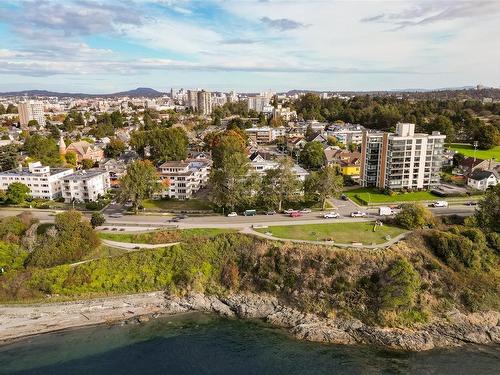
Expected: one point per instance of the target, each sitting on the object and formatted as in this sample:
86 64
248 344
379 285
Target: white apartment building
200 101
261 165
86 185
284 112
258 103
44 182
184 177
400 160
346 133
31 110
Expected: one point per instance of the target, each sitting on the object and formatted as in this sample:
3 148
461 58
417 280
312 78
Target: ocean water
206 344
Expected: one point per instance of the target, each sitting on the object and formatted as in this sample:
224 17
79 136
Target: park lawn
374 196
468 150
338 232
176 205
164 236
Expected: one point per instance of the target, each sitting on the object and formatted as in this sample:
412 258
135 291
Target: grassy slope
468 150
314 278
374 196
153 236
338 232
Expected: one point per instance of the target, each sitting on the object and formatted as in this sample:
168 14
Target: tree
487 215
115 148
231 185
2 109
17 193
32 123
400 286
164 144
487 137
224 145
414 216
312 156
42 149
279 184
70 157
87 163
11 108
444 125
97 219
9 157
140 182
324 184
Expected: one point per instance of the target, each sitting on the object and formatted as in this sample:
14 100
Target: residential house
481 179
83 150
349 162
260 165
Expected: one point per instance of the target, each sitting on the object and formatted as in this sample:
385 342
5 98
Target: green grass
176 205
163 236
338 232
468 150
105 251
374 196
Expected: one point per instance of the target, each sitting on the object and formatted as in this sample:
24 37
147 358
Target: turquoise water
206 344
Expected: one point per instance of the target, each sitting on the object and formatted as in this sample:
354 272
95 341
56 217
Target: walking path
136 246
392 241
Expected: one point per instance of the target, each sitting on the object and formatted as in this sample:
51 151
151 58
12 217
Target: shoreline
22 321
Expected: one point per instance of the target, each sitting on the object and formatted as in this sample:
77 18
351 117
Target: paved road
236 222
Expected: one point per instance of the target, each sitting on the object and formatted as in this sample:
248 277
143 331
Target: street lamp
475 147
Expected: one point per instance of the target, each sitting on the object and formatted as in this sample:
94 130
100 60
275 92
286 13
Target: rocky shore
457 329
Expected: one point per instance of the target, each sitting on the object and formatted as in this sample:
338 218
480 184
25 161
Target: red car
296 214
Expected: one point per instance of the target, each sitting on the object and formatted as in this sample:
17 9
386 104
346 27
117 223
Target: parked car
115 216
331 215
439 204
270 212
343 197
289 211
358 214
306 211
232 214
471 203
182 216
295 214
250 213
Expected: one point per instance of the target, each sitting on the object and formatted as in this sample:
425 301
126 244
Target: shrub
414 216
97 219
454 249
400 285
494 241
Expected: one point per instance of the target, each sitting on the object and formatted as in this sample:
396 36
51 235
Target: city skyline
108 46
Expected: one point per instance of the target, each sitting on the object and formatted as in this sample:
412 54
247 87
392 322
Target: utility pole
475 147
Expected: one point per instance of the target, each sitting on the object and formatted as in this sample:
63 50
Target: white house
184 177
44 182
261 165
86 186
482 180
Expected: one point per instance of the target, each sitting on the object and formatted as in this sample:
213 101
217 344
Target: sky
106 46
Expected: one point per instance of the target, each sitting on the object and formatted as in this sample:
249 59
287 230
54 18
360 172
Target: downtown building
401 160
200 101
31 110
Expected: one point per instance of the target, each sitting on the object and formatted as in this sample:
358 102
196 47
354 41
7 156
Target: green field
338 232
468 150
176 205
373 196
163 236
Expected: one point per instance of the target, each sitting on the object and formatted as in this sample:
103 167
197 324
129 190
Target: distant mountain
138 92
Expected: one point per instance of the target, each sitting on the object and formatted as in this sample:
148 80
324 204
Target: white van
385 211
440 204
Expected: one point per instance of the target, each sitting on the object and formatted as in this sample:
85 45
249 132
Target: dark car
270 212
343 197
471 203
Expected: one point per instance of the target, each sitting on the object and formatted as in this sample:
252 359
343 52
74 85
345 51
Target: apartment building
200 101
285 113
346 133
31 110
86 185
258 103
184 177
44 182
261 165
265 134
401 160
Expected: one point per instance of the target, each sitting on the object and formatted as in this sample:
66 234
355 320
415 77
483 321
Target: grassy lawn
373 196
163 236
176 205
468 150
104 251
338 232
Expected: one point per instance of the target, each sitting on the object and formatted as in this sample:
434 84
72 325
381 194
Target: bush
97 219
493 239
454 249
94 206
400 285
414 216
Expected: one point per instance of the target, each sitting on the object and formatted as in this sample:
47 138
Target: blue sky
247 45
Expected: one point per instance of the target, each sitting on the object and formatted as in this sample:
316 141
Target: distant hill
138 92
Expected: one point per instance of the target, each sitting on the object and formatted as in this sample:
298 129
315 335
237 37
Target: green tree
11 108
414 216
487 215
400 286
33 123
97 219
42 149
70 157
2 109
164 144
117 119
487 137
87 163
279 184
9 157
17 193
115 148
444 125
324 184
141 182
312 156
